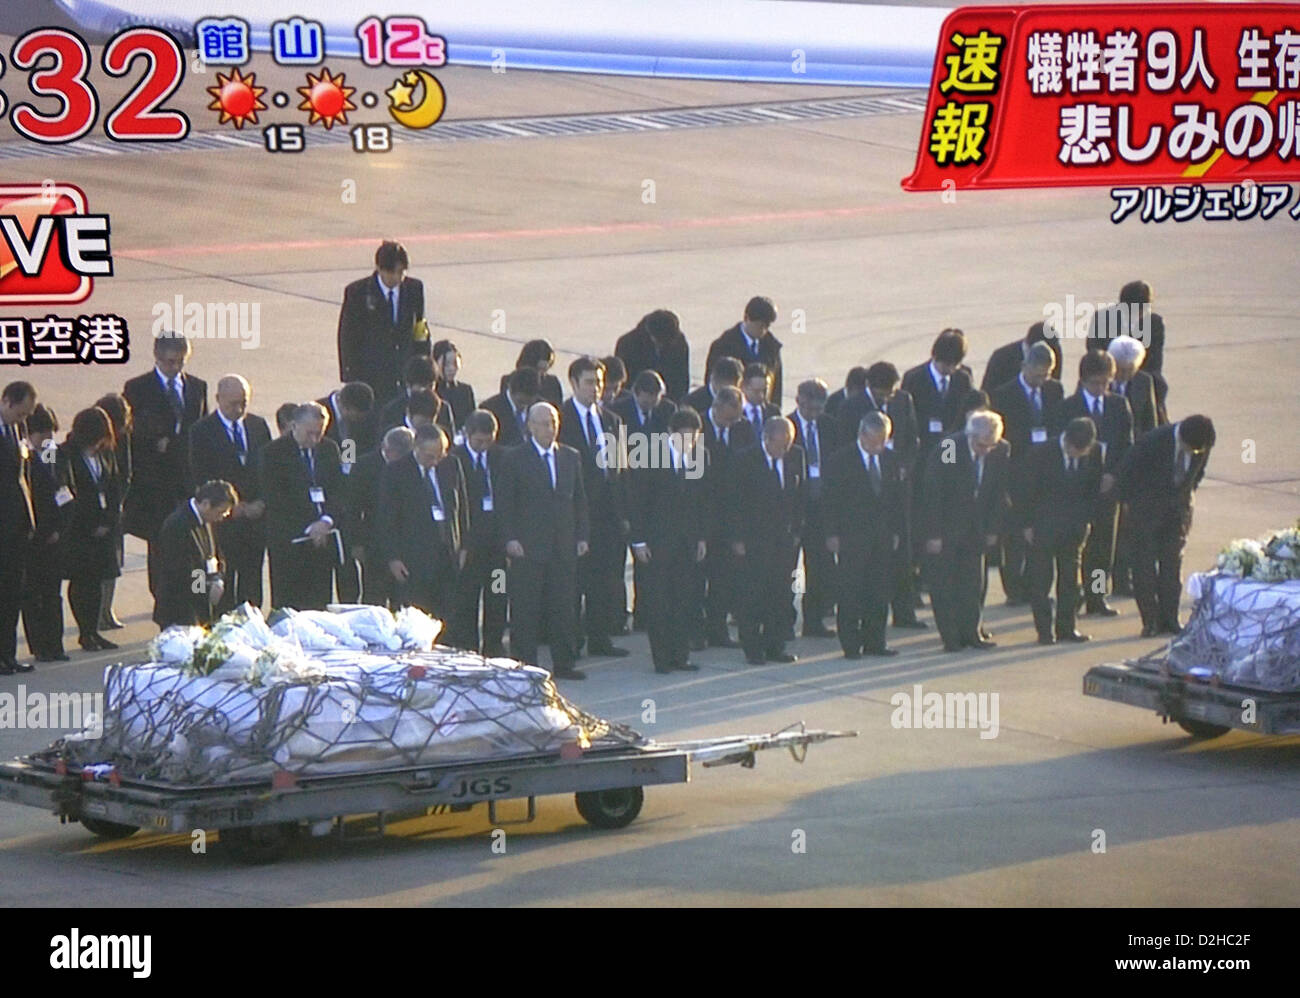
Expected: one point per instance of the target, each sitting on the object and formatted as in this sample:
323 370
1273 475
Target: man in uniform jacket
866 510
1113 419
190 583
544 525
1157 479
304 489
420 524
483 577
658 344
1030 406
17 518
769 495
511 406
224 446
594 432
818 436
667 506
165 403
1058 499
1005 362
381 317
751 341
964 512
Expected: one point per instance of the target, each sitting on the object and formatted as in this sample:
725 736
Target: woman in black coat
90 537
43 581
119 411
458 395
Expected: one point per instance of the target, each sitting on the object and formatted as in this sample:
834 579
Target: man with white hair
964 510
1136 385
223 446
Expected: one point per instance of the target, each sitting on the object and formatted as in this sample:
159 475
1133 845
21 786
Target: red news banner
1112 94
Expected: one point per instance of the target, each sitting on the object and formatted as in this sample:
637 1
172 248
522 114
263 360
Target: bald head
233 394
543 423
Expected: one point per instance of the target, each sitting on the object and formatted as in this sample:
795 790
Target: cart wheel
610 808
1202 729
107 829
259 843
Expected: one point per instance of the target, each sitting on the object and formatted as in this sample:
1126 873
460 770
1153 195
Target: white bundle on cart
244 701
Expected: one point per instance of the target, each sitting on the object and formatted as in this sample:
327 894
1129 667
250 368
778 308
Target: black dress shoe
782 657
884 652
607 651
983 643
1173 629
1101 610
1150 631
853 656
24 667
912 625
951 648
1046 639
8 667
103 643
1075 637
755 660
570 673
687 666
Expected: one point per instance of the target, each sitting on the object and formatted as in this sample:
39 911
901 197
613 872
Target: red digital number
64 80
137 118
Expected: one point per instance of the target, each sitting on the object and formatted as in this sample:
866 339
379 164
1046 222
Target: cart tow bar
740 749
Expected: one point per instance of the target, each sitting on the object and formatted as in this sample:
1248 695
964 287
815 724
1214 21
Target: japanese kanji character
297 42
1119 61
103 339
52 342
1287 59
1252 61
13 341
1187 202
1196 64
1083 62
1126 200
1288 130
973 68
1191 129
223 40
1084 129
1044 72
958 132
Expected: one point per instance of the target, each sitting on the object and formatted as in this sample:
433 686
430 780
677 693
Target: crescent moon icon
428 110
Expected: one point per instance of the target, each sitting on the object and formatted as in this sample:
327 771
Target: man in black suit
1157 478
420 524
658 344
191 566
381 324
1030 406
766 511
1113 419
1056 501
726 435
1006 361
510 407
667 505
963 514
483 576
818 436
751 341
352 423
1136 385
224 446
544 525
726 372
42 586
866 509
594 432
165 403
855 384
883 395
1132 316
420 379
17 518
756 386
362 495
304 489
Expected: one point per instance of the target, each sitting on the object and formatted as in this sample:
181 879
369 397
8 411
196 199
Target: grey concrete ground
554 233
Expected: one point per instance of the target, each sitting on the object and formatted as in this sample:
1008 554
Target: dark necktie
1180 469
550 467
1096 410
756 417
1036 403
813 452
176 399
943 386
240 444
431 483
776 473
592 433
874 468
310 461
392 304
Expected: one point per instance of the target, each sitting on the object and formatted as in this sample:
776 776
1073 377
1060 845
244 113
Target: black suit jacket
1153 337
547 521
767 517
604 487
626 409
638 352
929 405
184 546
1115 430
404 525
732 344
952 509
372 348
1146 479
286 489
394 414
1059 506
509 432
667 511
83 553
551 390
700 399
361 493
459 397
44 556
1018 421
901 410
1006 361
16 513
159 480
484 535
1140 391
213 454
865 523
364 433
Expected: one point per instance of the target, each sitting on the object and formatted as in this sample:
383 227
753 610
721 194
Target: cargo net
1241 633
319 693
